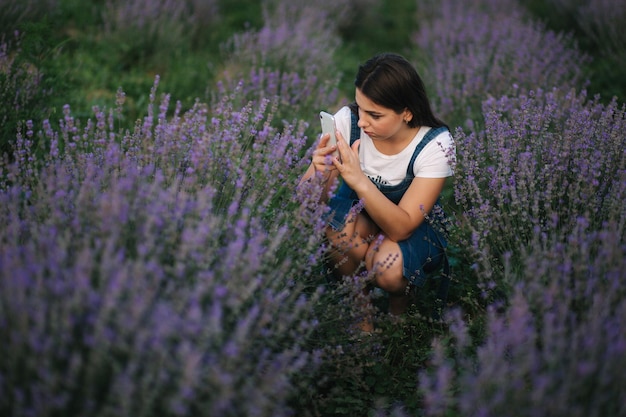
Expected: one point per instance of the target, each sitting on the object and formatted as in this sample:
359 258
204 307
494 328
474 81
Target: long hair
389 80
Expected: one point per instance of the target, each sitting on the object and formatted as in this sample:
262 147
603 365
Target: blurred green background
84 65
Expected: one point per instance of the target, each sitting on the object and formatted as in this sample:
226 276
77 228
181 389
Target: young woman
396 169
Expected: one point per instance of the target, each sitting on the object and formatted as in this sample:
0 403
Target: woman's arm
399 221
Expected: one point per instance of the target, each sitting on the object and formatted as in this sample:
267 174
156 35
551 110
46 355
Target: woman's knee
391 281
354 237
384 260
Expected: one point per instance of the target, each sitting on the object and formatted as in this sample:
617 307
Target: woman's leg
349 246
384 259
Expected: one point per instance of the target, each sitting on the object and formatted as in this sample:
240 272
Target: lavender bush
602 21
558 350
470 52
144 272
540 184
295 38
21 93
143 28
543 160
290 59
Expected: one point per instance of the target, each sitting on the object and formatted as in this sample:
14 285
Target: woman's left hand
349 164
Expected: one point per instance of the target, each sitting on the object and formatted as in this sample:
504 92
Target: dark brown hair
389 80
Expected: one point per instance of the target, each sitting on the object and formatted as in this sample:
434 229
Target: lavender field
156 259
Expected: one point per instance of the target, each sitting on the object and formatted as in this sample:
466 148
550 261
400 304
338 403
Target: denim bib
346 197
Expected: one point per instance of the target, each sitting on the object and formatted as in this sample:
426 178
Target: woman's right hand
322 166
322 156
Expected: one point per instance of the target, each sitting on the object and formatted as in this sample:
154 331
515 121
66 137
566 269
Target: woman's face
378 122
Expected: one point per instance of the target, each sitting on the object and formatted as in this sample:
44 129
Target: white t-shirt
432 162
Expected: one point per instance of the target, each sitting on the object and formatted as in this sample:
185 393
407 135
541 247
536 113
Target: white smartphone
328 126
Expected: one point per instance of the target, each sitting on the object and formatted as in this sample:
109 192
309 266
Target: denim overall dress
424 251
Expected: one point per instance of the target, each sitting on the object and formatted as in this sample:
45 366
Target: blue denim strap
355 130
430 135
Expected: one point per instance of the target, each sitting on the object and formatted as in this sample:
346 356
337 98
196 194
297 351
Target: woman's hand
349 165
322 156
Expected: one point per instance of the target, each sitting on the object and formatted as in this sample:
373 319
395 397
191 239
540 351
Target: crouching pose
394 157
